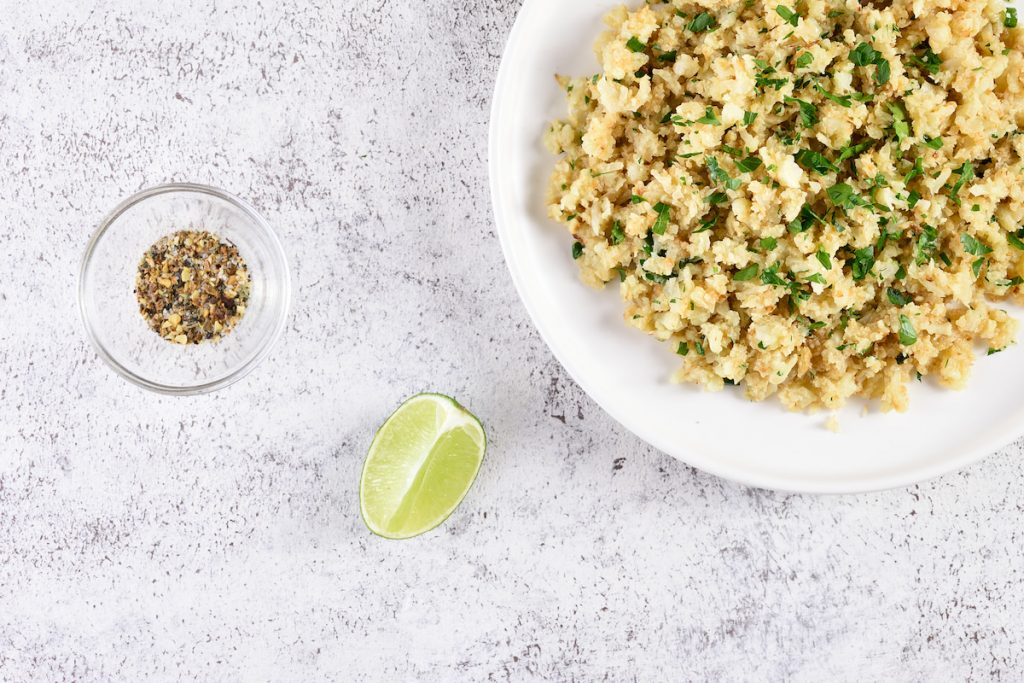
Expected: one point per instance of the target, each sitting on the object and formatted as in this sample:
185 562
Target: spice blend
192 287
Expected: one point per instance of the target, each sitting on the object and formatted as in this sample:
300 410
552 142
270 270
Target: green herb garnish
808 111
842 196
709 118
864 54
749 164
789 15
862 263
748 273
715 172
928 60
897 298
927 243
702 22
900 126
841 100
966 172
816 162
618 236
908 335
824 259
661 222
974 246
1014 238
853 151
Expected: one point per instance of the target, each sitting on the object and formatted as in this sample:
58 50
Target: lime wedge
420 466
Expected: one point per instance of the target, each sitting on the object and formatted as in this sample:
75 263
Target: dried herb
192 287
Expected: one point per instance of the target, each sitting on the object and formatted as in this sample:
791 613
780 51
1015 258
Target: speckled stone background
218 538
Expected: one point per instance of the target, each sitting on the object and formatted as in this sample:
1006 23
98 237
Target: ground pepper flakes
192 287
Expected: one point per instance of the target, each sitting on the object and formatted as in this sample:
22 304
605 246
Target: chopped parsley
693 260
816 162
709 118
908 335
762 80
749 164
804 60
862 263
770 276
933 143
915 171
618 236
577 250
927 243
702 22
864 54
748 273
853 151
683 349
808 111
706 224
928 60
966 172
900 126
715 171
1010 17
635 45
717 198
824 259
841 100
897 298
789 15
882 72
657 278
804 221
1014 238
769 243
974 246
661 222
977 265
841 195
749 117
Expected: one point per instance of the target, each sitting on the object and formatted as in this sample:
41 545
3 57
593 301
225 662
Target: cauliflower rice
816 200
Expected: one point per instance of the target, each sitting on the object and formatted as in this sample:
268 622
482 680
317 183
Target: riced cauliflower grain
815 201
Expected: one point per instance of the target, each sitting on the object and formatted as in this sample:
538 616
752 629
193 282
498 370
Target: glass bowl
106 290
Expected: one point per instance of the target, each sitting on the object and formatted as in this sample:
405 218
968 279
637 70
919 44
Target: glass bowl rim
262 351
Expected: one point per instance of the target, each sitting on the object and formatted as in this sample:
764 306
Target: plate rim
695 457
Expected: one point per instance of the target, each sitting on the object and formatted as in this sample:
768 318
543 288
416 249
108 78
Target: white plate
627 373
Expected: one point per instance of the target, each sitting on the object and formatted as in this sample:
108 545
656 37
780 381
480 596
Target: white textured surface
144 537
